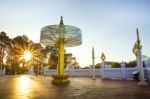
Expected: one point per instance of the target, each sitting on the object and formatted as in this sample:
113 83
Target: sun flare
27 55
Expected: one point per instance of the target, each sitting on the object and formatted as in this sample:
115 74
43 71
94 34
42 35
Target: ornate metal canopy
50 35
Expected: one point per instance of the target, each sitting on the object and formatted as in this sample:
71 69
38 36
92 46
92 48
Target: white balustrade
103 73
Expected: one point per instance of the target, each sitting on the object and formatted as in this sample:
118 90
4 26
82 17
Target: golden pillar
61 33
60 79
61 57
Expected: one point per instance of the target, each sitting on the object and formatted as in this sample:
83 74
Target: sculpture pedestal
143 84
60 79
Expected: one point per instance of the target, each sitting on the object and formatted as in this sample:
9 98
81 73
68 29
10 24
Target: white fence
118 73
110 73
73 72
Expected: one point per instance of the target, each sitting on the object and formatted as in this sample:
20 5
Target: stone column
102 70
139 62
141 70
103 57
123 70
93 58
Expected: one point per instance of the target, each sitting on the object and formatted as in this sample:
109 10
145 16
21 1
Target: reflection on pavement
23 84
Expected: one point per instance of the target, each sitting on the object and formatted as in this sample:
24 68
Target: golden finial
103 57
61 21
134 50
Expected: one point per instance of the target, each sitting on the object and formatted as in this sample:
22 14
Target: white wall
73 72
104 73
117 73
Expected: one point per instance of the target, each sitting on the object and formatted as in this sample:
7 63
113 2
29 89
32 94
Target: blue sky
107 25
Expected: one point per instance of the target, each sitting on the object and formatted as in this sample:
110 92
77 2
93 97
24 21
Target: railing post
102 71
123 70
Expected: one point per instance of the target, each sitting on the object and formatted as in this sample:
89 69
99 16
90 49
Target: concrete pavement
40 87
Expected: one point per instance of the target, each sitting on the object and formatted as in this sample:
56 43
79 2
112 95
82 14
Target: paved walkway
40 87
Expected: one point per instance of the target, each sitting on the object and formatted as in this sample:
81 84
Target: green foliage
4 42
76 65
15 50
115 64
53 60
97 66
16 47
37 70
86 67
131 64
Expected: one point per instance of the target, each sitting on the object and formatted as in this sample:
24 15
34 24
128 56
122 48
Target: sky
107 25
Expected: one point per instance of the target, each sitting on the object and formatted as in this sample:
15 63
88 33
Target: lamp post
93 58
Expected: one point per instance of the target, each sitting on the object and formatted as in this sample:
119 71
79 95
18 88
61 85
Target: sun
27 55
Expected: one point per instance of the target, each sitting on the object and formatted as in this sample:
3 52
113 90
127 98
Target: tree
17 48
97 66
115 64
4 42
53 58
131 64
39 57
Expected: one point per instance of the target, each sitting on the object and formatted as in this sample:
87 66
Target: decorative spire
138 38
139 46
93 53
103 57
61 21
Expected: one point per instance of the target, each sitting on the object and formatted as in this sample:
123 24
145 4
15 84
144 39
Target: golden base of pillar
60 80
